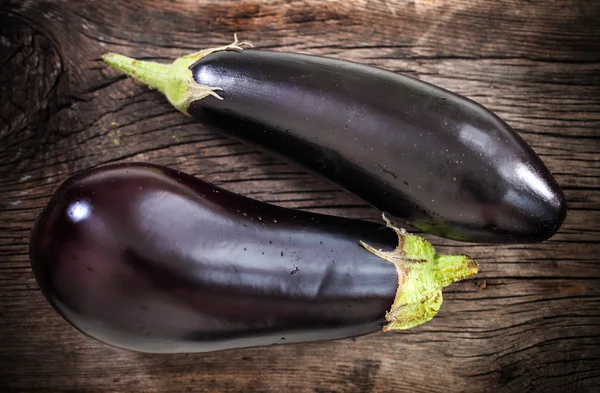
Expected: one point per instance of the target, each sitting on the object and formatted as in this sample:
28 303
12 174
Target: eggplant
433 159
150 259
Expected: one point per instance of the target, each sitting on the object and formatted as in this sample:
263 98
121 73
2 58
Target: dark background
530 322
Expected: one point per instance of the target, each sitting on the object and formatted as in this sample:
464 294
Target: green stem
174 80
154 75
422 274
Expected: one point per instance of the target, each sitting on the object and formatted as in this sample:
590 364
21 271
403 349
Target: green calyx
422 274
174 80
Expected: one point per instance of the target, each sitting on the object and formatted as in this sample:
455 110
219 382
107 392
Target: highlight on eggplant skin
433 159
150 259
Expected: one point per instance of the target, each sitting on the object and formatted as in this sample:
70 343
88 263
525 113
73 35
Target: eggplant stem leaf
422 274
236 45
174 80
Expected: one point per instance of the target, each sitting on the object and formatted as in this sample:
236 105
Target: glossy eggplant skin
429 157
151 259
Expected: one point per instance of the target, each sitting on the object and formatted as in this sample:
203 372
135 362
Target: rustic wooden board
535 326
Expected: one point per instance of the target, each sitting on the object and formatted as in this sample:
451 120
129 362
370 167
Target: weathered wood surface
535 326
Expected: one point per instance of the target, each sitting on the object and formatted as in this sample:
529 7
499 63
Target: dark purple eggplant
431 158
151 259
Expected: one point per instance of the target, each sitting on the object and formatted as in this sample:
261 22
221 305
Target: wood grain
530 322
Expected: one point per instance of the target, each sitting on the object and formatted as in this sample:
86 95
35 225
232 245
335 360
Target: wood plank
528 323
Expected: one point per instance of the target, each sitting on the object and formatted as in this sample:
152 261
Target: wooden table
530 322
